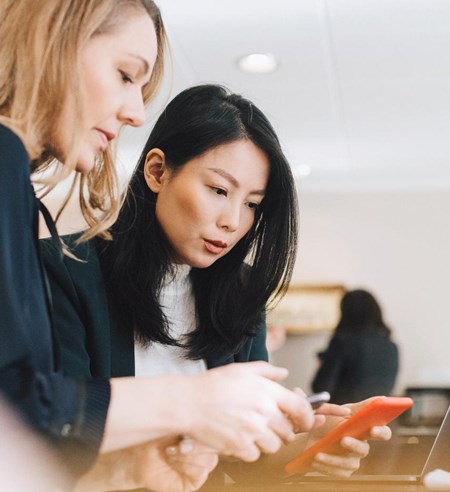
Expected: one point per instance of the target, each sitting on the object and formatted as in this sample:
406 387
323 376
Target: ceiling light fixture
259 63
301 171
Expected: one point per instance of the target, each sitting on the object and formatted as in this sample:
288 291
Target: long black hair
360 312
230 296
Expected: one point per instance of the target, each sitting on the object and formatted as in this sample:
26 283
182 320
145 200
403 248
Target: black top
70 414
356 366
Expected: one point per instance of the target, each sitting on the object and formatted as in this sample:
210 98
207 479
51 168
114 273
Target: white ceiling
362 95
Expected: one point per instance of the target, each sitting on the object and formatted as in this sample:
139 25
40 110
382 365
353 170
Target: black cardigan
96 340
70 414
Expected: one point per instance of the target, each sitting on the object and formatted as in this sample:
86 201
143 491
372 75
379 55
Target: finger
335 463
189 446
250 452
380 433
334 410
194 477
331 470
297 408
269 442
355 446
282 427
319 420
265 370
299 391
172 450
186 445
358 405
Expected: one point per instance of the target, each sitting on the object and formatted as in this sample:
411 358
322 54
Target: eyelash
125 77
222 192
219 191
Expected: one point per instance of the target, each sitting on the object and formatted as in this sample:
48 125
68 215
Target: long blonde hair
40 48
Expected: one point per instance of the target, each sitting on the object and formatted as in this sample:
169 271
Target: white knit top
177 301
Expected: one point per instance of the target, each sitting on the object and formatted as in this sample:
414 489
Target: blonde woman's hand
170 464
242 411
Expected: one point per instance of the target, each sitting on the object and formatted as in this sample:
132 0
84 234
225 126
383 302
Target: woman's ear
155 169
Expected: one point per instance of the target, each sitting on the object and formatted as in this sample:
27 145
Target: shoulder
16 193
14 166
254 348
82 264
11 145
81 251
78 279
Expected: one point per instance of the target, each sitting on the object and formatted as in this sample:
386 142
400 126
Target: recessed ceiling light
301 171
258 63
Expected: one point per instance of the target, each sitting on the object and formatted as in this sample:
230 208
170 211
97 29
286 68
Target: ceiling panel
362 94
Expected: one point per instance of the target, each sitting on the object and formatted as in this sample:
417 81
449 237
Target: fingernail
185 446
347 441
299 391
171 450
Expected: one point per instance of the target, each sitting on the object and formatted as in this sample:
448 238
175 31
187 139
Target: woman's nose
133 110
230 217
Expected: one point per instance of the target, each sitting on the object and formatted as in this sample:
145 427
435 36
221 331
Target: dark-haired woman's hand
344 465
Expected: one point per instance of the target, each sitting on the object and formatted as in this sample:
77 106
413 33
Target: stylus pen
318 399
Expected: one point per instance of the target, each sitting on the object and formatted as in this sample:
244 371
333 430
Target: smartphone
379 411
318 399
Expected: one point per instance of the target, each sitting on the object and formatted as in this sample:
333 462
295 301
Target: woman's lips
105 137
215 247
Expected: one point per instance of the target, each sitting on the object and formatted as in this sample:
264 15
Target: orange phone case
379 411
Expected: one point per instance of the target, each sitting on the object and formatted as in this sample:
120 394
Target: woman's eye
219 191
125 77
253 206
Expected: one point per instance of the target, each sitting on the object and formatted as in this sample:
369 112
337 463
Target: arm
245 411
47 401
226 407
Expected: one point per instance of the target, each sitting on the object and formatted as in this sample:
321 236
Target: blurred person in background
361 360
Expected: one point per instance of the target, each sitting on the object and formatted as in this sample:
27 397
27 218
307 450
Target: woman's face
210 203
115 67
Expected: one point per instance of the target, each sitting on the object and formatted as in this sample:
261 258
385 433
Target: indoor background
359 93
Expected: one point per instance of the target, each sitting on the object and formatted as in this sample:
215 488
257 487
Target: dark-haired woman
361 359
206 235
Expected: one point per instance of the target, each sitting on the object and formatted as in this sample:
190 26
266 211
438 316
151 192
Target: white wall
396 245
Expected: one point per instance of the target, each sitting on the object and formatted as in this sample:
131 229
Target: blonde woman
72 75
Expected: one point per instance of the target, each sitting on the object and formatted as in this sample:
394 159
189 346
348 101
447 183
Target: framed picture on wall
308 308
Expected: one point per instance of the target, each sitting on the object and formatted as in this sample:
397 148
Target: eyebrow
233 180
143 61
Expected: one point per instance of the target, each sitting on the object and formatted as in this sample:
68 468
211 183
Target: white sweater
177 301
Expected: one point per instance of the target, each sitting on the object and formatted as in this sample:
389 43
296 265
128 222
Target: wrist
182 408
143 409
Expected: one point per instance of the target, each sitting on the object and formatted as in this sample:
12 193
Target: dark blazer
96 339
356 366
29 376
